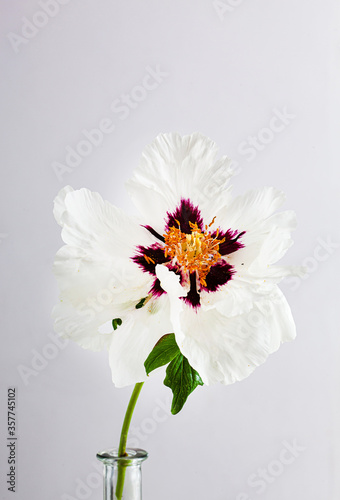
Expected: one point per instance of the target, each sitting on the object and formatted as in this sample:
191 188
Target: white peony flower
197 263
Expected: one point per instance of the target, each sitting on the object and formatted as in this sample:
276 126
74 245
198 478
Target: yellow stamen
148 259
194 252
212 222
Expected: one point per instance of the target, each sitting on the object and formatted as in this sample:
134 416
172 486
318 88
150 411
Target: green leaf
163 352
180 376
116 323
182 380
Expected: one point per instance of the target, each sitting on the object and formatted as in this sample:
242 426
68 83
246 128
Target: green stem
123 438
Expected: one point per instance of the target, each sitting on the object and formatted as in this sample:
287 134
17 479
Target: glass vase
122 475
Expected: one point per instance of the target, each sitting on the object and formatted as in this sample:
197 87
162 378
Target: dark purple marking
155 252
154 233
156 288
231 243
192 297
185 213
219 275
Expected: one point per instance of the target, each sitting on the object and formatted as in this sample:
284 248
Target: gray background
225 69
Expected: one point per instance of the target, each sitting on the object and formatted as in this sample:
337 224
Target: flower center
194 252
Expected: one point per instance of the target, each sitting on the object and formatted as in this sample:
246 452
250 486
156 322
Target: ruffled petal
82 325
225 350
101 240
175 167
59 203
247 211
85 277
96 226
265 243
236 297
97 278
275 238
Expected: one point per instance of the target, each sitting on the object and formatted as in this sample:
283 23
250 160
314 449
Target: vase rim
134 456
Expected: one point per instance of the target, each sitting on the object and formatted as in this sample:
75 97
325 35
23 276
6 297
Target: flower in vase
196 263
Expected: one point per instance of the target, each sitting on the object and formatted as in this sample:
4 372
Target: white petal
59 203
133 341
85 277
265 243
100 243
175 167
98 227
246 211
236 297
170 282
97 279
278 239
82 325
225 349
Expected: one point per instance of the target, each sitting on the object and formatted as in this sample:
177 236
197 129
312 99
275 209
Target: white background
226 66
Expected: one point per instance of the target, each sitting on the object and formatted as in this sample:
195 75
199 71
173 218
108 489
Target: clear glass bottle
122 475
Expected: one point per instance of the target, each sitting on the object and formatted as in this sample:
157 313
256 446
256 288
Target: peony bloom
196 263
